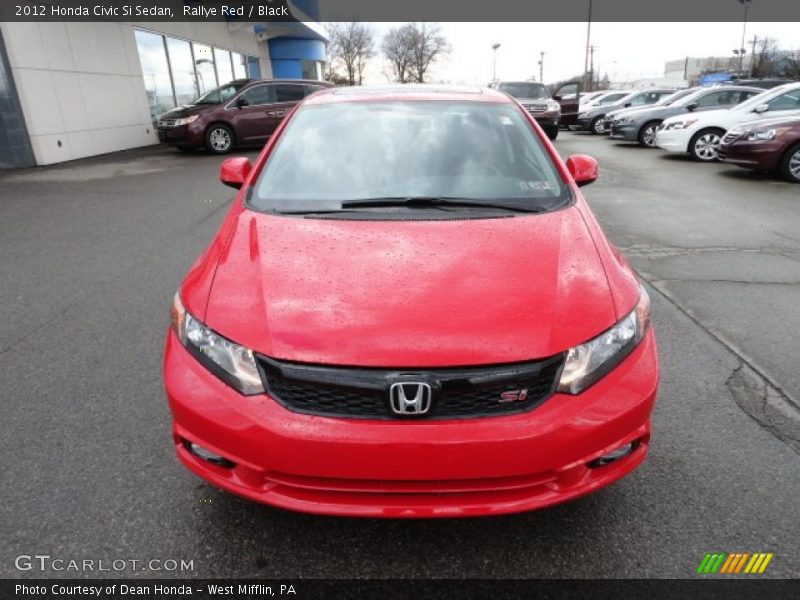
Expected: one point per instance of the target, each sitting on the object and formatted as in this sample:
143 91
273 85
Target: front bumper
453 468
547 120
628 132
760 155
183 135
581 124
672 140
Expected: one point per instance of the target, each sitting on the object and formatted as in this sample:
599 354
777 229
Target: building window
204 66
155 69
224 67
182 66
311 69
239 68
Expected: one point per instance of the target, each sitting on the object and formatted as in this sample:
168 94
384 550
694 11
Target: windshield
337 153
220 94
524 90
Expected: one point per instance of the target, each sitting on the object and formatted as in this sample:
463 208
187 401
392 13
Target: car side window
712 99
288 93
612 98
638 100
310 89
257 95
787 101
745 95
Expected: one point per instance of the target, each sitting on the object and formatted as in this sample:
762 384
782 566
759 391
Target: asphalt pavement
92 253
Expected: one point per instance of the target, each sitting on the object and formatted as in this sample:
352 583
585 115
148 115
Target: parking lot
92 253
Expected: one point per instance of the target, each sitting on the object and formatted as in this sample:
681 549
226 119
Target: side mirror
583 169
234 171
241 102
761 108
691 107
557 98
627 104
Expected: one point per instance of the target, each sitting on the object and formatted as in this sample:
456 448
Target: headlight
552 105
588 362
680 124
186 120
761 135
232 363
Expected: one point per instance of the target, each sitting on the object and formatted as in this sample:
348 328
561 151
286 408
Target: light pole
541 67
494 61
588 37
742 51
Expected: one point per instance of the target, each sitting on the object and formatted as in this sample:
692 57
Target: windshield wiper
441 202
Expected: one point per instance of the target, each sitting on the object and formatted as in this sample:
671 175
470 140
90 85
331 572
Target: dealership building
69 90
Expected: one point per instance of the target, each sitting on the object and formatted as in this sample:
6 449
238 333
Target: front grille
363 393
166 123
535 108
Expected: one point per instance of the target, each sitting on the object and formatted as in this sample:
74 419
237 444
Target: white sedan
699 134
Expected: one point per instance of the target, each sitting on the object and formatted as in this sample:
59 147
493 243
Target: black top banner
402 10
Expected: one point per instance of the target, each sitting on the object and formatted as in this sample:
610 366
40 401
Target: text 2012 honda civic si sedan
410 311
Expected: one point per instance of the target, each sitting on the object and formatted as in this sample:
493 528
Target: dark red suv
244 112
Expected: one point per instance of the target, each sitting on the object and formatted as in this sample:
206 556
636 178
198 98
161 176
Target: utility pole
591 67
754 41
744 30
541 67
588 38
494 61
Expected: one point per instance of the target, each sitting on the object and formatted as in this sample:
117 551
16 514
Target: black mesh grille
457 392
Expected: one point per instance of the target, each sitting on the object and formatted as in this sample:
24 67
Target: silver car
640 125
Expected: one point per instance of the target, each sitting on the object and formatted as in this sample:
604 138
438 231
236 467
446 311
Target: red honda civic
410 311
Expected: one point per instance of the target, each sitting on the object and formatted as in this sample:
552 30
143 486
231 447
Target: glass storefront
239 68
177 71
222 58
182 65
155 70
204 65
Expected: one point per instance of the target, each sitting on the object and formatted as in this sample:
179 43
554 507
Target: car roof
405 92
303 81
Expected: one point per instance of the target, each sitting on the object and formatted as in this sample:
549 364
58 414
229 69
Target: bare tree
791 68
412 48
398 48
429 45
764 58
351 45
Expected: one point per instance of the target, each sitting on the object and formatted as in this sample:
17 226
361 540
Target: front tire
598 125
551 132
219 139
790 164
705 144
647 134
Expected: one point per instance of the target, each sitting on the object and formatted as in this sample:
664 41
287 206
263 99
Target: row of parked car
740 124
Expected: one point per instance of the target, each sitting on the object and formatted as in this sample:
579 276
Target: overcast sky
623 50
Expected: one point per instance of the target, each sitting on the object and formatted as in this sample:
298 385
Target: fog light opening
614 455
208 456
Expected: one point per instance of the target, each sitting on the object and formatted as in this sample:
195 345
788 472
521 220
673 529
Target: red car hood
410 293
